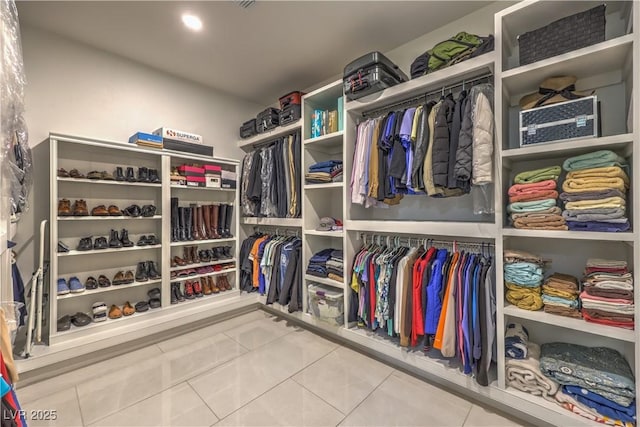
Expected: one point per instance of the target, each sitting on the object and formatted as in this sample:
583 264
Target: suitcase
248 129
369 74
293 98
267 120
290 114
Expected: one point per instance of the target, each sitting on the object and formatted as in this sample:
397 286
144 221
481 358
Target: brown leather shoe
118 279
212 284
64 207
179 261
206 287
62 173
100 210
114 210
128 277
115 312
80 208
75 173
106 176
225 282
128 309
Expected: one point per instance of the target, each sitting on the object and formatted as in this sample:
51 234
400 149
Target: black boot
179 293
222 220
227 252
153 176
182 227
114 242
175 222
118 174
174 294
152 272
219 252
141 272
124 238
143 174
130 175
227 223
188 214
213 256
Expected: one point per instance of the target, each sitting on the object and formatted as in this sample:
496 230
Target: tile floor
253 370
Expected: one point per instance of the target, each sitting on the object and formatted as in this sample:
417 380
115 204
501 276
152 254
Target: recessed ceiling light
192 22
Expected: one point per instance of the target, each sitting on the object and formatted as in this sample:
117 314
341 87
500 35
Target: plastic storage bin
326 304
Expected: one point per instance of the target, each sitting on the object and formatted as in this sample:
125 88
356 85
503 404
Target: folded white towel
525 374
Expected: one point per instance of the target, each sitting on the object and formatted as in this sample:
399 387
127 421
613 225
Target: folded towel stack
560 295
594 192
607 296
324 172
533 199
523 277
524 374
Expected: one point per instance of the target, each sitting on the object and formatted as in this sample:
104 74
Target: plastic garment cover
248 206
483 148
19 171
267 207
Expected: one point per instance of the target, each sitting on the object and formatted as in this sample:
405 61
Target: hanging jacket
434 303
464 153
461 103
441 140
483 125
428 159
422 144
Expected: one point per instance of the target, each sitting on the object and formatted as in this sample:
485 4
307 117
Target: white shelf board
324 94
555 414
109 322
184 187
108 251
279 222
324 186
198 276
623 142
465 70
202 242
221 296
111 288
480 230
338 233
105 218
324 281
566 234
247 144
570 323
202 264
589 61
331 139
102 181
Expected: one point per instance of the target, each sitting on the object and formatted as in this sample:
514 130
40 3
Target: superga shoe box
178 140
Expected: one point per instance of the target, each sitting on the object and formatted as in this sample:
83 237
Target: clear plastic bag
20 171
483 199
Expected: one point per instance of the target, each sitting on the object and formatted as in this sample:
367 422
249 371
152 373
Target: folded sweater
594 159
537 175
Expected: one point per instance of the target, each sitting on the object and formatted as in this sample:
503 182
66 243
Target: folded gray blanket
591 195
615 215
601 370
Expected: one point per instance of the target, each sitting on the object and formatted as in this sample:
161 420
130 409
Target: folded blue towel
515 341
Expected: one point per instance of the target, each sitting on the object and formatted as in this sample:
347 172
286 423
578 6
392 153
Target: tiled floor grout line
366 397
204 401
79 407
319 397
467 416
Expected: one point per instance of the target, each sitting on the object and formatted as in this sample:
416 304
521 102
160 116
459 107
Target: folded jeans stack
318 263
560 295
324 172
533 199
607 296
335 266
594 192
523 275
597 381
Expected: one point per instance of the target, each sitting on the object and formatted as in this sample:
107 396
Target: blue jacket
434 304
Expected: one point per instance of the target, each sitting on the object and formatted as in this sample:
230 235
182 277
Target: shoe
128 309
204 255
212 284
179 261
76 286
226 251
124 239
100 243
91 283
142 241
99 310
115 312
75 173
80 319
219 253
225 282
64 323
188 290
174 220
206 221
222 219
80 208
197 288
103 281
206 287
114 210
118 174
179 293
64 207
213 255
214 211
118 279
154 303
227 223
143 174
128 277
154 177
141 272
63 288
152 240
142 306
148 211
188 228
194 255
152 272
100 210
132 211
62 173
114 241
106 176
94 175
174 295
154 293
195 228
130 177
191 272
85 244
182 230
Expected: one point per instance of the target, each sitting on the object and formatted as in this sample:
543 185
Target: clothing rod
408 240
277 231
419 99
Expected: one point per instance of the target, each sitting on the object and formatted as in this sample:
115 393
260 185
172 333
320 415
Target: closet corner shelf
198 276
206 299
337 234
202 264
481 230
108 289
203 242
570 323
280 222
324 281
106 218
102 181
108 250
612 54
465 70
331 139
565 234
184 187
247 144
321 186
566 149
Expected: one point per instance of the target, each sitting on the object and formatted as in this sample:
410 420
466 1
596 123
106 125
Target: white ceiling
258 53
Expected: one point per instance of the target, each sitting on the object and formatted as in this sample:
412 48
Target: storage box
212 170
326 304
228 183
187 147
212 181
187 170
179 135
230 175
196 181
576 119
146 140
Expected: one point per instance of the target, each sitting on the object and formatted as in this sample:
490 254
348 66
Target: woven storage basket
564 35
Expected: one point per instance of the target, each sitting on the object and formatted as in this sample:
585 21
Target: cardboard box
139 137
196 181
179 135
186 170
230 175
212 169
227 183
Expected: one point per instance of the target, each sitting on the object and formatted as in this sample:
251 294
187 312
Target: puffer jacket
464 153
441 140
483 136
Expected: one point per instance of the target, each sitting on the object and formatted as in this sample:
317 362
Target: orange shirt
256 262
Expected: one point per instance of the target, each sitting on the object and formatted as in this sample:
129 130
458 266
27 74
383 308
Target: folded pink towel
536 186
531 196
585 296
